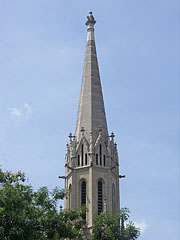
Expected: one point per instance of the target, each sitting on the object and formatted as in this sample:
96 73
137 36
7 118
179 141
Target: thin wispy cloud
142 226
21 113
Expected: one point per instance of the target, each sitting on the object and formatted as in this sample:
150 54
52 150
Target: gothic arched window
100 197
83 193
96 159
78 160
83 196
86 159
100 154
82 155
104 160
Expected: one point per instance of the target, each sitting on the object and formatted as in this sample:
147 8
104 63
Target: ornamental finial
91 21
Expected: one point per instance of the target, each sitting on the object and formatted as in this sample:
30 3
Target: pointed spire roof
91 113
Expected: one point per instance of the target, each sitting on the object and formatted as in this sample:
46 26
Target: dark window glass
100 154
86 159
82 155
100 198
83 196
83 193
78 160
104 160
96 159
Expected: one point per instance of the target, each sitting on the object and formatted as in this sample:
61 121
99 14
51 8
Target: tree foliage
33 215
29 215
107 227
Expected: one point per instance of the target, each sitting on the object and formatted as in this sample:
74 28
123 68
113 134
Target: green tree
29 215
33 215
116 227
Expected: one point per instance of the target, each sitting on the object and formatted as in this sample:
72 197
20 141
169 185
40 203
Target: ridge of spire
91 112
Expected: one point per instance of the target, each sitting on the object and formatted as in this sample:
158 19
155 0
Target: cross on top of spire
91 21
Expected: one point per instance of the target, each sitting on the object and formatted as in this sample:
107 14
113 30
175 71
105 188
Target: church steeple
91 113
92 163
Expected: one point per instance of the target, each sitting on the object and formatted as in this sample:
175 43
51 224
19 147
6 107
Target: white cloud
21 113
15 112
27 109
142 226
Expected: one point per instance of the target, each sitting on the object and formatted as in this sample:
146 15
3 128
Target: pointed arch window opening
83 196
83 193
86 159
104 159
100 197
100 154
82 155
96 159
78 160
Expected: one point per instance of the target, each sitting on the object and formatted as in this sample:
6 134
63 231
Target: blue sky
42 47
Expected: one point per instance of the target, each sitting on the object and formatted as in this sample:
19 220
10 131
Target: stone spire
91 113
92 163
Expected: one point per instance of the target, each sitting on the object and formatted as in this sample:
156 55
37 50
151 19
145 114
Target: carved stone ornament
90 19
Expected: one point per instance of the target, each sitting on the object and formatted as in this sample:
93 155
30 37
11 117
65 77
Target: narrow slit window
83 196
82 155
96 159
78 160
86 159
100 154
83 193
104 160
100 197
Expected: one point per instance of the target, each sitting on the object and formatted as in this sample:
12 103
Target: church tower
92 165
